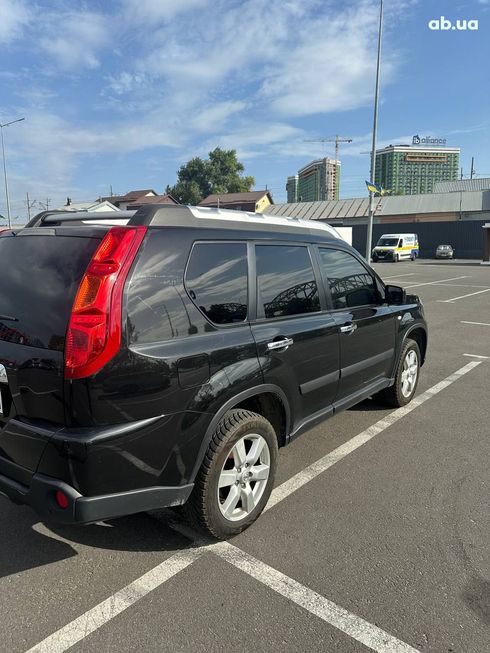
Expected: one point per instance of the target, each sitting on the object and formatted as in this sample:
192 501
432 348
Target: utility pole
45 205
472 167
461 174
369 238
29 204
7 124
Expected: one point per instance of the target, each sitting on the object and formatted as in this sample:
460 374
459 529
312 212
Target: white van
396 247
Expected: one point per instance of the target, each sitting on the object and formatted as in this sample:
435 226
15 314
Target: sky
122 92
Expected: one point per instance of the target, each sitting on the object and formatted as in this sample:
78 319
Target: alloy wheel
244 476
409 373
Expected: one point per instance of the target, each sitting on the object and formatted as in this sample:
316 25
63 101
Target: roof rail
171 215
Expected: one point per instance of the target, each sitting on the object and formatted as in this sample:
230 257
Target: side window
400 244
349 282
216 280
286 283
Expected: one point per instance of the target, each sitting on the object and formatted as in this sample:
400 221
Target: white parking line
476 323
409 274
433 283
87 623
454 299
371 636
309 473
475 356
93 619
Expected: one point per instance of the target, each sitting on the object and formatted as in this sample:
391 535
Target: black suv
161 357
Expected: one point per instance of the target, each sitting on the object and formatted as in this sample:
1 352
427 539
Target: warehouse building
454 218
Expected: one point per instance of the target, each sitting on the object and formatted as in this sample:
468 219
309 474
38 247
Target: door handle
348 328
283 343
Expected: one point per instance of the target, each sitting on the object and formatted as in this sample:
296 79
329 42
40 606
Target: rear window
39 277
216 280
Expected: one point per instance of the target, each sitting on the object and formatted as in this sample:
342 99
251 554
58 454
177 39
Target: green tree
221 173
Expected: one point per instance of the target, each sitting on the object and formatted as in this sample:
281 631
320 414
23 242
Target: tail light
94 329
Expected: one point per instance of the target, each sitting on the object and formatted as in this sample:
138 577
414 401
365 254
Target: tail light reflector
94 329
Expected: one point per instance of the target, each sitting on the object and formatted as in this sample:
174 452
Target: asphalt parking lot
376 537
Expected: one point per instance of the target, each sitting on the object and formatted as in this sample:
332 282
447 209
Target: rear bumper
40 495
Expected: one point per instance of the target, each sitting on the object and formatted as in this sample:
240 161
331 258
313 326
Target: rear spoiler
56 218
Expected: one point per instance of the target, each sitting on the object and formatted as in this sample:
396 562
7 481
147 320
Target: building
410 170
256 200
87 206
124 202
457 219
292 188
316 181
152 199
462 185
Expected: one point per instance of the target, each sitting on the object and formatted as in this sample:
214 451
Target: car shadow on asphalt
26 543
369 406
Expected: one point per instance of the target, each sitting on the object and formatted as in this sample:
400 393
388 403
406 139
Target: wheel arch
419 334
267 400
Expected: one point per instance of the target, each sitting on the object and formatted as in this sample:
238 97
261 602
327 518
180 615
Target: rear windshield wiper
9 318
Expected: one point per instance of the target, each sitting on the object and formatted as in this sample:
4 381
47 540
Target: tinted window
158 307
39 277
216 280
349 282
285 281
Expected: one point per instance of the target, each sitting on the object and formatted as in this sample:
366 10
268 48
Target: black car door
366 324
297 338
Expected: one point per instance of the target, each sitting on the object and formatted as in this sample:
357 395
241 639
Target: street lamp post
7 124
369 239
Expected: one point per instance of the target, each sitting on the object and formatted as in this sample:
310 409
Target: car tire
226 498
406 376
396 258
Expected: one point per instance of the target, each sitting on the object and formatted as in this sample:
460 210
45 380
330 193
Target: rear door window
216 280
286 283
349 282
39 277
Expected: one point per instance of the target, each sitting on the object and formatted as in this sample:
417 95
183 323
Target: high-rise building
319 180
411 170
292 188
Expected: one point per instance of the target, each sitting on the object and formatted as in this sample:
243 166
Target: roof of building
462 185
105 205
394 205
422 148
318 162
153 199
129 197
235 198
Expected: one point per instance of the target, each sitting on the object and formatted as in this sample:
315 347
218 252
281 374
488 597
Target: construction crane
338 139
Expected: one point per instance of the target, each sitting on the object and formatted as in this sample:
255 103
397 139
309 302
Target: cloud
157 11
74 39
331 68
14 16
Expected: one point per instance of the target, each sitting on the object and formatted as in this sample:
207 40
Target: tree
220 173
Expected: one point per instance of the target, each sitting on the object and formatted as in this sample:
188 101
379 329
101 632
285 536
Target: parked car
180 348
444 251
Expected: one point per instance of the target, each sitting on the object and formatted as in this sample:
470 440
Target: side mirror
395 295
